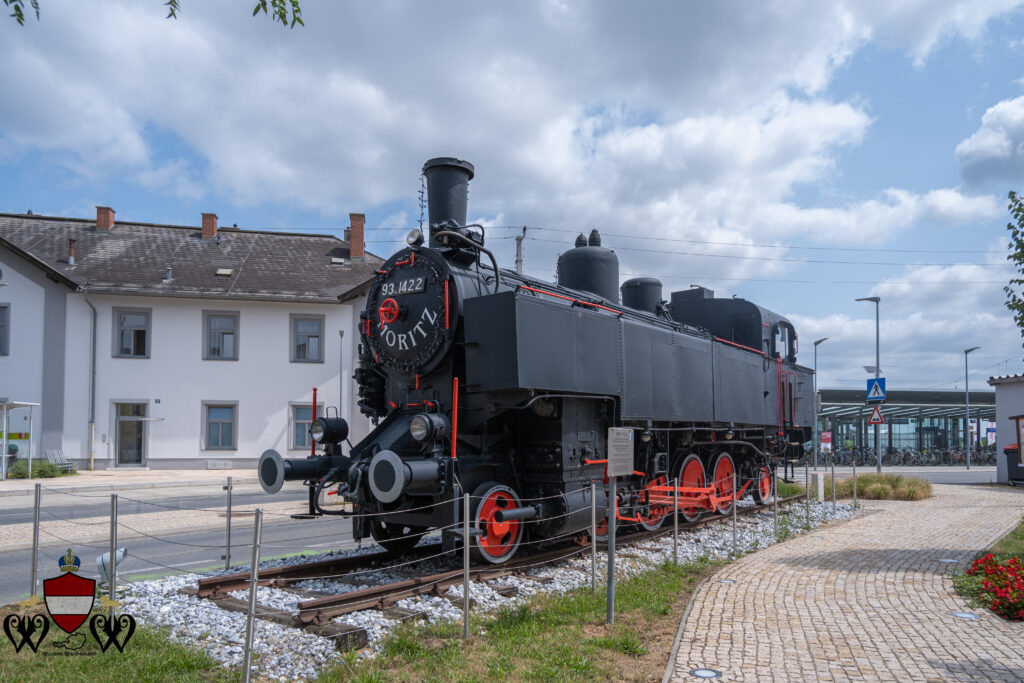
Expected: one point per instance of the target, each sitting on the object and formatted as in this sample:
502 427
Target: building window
307 338
220 420
5 329
220 335
131 332
302 418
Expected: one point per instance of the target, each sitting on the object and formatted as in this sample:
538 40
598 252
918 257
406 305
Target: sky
796 154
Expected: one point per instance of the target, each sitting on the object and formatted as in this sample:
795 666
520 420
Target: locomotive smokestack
447 192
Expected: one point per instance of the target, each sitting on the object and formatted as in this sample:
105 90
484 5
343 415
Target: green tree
287 12
1014 298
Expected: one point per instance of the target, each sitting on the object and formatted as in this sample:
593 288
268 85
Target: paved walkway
868 600
129 478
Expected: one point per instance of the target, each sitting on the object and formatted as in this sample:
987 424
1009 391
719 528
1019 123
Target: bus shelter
6 406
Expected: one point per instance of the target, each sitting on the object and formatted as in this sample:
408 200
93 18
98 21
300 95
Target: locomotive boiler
485 381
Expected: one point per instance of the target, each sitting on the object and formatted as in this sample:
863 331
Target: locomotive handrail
582 302
739 346
478 247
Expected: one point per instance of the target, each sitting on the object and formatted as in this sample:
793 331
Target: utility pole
967 408
519 250
878 373
816 437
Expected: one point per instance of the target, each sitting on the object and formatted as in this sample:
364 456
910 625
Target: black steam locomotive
485 381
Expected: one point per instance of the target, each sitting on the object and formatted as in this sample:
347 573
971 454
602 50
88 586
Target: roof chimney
71 252
104 218
209 225
356 246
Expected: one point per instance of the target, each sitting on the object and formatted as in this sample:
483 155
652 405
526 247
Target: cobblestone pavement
868 600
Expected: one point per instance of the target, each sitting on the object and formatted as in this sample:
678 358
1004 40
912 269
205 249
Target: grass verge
550 638
150 655
1010 545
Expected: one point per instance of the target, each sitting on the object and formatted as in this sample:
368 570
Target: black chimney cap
581 241
449 161
595 238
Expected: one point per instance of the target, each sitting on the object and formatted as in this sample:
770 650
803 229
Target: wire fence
647 508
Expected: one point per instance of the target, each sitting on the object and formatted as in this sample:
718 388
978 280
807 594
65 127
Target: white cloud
995 152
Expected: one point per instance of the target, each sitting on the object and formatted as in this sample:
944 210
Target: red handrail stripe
739 346
569 298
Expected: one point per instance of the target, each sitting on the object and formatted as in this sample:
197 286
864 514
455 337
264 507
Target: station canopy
849 403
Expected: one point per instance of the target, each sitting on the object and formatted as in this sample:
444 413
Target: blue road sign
876 389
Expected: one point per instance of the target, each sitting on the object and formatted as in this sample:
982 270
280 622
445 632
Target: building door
131 433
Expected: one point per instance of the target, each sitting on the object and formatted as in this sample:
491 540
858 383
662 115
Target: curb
235 481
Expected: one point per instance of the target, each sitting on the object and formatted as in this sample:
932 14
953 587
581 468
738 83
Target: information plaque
620 452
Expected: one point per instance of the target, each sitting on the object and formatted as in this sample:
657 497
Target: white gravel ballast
285 653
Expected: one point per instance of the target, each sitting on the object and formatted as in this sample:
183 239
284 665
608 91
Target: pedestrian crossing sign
876 389
876 417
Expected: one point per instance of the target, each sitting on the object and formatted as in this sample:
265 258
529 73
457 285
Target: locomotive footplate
706 497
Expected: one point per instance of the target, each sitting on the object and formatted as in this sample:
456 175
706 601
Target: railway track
317 613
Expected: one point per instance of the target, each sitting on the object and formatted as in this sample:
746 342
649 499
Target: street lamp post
817 438
878 373
967 404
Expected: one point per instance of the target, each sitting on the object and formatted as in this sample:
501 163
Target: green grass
149 656
1011 545
787 489
549 638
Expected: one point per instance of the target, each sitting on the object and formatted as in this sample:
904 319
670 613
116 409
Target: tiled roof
1006 379
133 258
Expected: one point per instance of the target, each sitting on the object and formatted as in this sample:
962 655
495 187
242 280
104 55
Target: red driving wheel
388 312
691 475
497 541
763 490
722 475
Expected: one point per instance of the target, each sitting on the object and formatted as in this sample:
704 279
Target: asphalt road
81 507
281 536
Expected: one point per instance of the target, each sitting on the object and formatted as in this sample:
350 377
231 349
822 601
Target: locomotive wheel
397 539
723 472
691 474
763 487
497 541
659 513
602 522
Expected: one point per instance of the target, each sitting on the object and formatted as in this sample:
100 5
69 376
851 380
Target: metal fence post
254 570
112 566
227 536
775 505
833 485
35 536
807 500
613 512
675 526
465 565
593 537
734 513
855 483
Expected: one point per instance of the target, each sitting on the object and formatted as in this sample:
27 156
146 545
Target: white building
177 347
1009 403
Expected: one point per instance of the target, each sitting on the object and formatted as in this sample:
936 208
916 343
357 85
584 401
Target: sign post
620 464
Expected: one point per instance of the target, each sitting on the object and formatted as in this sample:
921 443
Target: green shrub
877 491
41 469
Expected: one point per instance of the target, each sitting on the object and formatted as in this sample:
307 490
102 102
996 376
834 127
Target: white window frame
5 328
293 320
207 315
293 423
206 405
116 314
